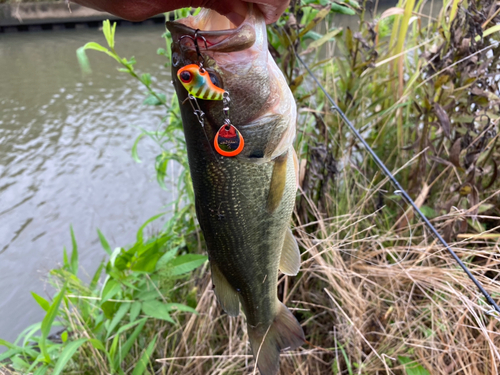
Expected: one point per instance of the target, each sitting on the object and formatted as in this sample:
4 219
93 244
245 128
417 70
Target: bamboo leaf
125 348
74 253
48 320
66 355
135 309
186 263
44 304
158 310
144 360
122 310
104 242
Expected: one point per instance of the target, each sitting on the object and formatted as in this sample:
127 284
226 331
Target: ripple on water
65 157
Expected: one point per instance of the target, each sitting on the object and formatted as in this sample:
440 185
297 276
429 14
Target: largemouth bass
243 203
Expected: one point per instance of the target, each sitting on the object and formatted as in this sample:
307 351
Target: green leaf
122 310
48 320
146 261
64 336
186 263
66 355
111 288
146 79
74 253
159 99
166 258
325 38
19 364
141 229
135 155
181 307
412 367
41 370
428 212
125 348
104 242
97 344
7 344
65 258
130 325
336 8
10 353
44 304
317 19
95 46
109 33
83 60
144 360
97 276
157 310
135 309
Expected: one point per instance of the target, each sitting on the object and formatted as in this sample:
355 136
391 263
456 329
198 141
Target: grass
376 293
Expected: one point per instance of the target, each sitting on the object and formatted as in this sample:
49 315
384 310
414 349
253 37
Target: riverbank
49 15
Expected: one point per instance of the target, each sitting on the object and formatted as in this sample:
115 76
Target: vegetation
376 294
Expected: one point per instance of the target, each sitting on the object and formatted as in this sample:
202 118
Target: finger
234 10
271 9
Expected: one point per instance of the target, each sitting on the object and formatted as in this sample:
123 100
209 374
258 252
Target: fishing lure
228 141
198 83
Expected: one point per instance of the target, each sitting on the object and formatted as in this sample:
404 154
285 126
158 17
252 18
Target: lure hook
197 47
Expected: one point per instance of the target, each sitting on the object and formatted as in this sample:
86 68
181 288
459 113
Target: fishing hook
196 46
399 189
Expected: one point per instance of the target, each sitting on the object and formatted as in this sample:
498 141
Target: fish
244 202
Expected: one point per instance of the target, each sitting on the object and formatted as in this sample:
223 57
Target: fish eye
185 76
215 80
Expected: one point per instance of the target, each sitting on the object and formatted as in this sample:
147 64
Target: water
65 144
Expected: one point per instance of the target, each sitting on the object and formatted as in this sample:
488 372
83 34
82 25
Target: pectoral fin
226 295
290 255
278 182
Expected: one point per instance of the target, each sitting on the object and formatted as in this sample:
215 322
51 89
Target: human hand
138 10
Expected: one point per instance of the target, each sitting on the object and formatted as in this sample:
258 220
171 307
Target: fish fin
285 333
290 255
278 182
226 295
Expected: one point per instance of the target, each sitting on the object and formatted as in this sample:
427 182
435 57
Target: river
65 159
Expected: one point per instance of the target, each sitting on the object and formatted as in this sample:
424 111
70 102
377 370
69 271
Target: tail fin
284 333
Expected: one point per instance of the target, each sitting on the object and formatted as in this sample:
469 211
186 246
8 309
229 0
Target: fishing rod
400 190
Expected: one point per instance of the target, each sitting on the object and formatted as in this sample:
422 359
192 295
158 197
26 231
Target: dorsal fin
290 255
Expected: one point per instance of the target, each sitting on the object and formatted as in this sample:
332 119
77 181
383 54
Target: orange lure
198 83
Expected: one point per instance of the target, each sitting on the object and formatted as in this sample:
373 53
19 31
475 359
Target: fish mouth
214 32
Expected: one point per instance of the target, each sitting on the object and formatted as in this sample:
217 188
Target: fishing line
399 189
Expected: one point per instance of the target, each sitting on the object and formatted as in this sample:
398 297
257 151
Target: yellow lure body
198 83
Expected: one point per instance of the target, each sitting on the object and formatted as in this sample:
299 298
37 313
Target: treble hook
196 46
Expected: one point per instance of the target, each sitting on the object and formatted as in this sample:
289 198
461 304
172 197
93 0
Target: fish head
237 60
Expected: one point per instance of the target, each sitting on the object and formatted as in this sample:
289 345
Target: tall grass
376 294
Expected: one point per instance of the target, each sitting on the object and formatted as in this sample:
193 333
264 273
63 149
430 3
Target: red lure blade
228 141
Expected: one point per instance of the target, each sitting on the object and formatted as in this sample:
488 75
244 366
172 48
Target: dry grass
364 299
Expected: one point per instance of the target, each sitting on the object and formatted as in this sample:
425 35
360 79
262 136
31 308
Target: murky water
65 159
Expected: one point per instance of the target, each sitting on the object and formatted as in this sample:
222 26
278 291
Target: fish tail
285 333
